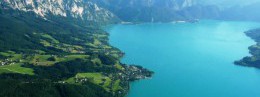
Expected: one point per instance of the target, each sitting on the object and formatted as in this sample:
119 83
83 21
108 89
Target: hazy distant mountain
228 3
86 11
248 12
158 10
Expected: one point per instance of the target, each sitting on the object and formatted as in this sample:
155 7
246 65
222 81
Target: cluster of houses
80 80
7 62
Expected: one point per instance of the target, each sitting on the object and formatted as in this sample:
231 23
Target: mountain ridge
60 44
156 10
61 51
73 9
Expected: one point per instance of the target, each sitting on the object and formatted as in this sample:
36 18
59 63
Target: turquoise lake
189 59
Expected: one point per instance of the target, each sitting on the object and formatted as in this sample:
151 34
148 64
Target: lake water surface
189 60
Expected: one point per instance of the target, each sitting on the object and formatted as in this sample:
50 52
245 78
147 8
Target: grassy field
116 85
49 41
118 66
51 38
96 78
44 60
41 59
16 68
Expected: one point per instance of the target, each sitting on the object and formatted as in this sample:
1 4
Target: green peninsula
254 60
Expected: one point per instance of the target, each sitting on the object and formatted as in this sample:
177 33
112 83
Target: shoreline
175 21
254 50
130 72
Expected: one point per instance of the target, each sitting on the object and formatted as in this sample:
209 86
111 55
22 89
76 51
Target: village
8 62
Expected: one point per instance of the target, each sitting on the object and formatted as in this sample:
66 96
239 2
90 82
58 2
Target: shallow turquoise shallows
189 59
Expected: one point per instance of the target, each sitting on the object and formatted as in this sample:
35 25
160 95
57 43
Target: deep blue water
189 60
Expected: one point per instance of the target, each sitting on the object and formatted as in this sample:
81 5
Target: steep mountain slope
88 12
229 3
78 10
247 12
158 10
55 48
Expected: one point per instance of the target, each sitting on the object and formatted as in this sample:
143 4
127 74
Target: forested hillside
57 48
49 55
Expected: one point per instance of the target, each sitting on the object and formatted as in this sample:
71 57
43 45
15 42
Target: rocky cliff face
77 9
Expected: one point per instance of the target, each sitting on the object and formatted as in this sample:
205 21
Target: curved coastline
174 73
254 60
